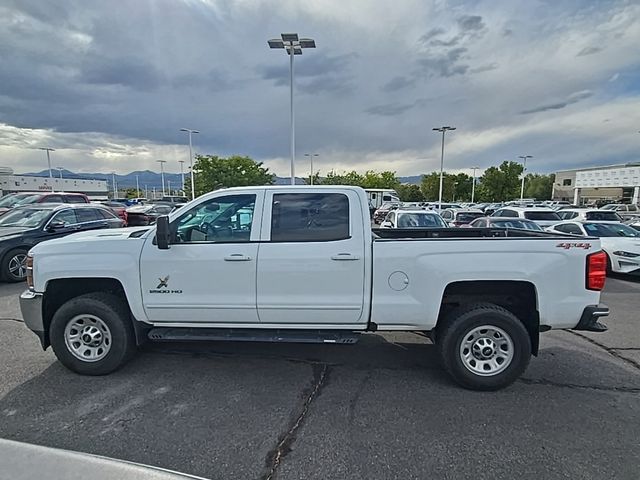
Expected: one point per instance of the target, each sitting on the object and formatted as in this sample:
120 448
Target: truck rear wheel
483 346
92 334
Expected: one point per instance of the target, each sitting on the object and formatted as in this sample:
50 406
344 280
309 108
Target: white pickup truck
301 264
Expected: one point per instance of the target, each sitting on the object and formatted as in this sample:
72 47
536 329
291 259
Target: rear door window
87 215
309 217
76 199
105 214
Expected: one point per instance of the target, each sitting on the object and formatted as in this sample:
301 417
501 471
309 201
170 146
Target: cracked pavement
380 409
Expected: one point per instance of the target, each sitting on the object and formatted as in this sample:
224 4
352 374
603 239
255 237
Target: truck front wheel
483 346
92 334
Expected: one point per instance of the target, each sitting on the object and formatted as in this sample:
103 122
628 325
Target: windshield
532 215
467 217
11 200
607 216
521 224
609 230
24 217
420 220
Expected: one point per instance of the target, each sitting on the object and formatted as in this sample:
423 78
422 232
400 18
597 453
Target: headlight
30 271
621 253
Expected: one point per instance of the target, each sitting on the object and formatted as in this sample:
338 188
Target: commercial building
611 184
10 183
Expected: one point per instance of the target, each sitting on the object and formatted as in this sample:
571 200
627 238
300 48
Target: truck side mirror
56 225
163 234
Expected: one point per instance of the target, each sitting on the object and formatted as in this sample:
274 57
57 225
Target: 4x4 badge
164 282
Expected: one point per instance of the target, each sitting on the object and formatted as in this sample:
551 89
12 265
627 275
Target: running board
170 334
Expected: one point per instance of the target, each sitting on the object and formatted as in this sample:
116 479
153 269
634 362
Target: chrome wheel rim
18 265
486 350
87 337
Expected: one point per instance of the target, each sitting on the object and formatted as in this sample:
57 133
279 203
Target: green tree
410 192
212 173
500 183
370 179
131 193
538 186
458 186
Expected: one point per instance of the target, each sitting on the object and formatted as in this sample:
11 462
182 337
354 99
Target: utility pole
311 155
137 187
114 185
444 130
473 185
181 162
193 185
162 162
524 169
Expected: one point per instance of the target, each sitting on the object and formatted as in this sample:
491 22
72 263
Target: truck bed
400 233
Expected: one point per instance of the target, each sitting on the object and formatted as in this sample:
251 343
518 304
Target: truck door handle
237 257
345 256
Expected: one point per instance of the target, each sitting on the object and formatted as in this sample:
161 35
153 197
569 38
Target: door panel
311 264
208 274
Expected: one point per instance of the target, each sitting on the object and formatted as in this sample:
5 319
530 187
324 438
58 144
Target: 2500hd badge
163 286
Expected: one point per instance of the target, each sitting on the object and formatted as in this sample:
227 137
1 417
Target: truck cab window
309 217
224 219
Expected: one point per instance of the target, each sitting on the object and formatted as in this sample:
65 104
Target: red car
27 198
119 209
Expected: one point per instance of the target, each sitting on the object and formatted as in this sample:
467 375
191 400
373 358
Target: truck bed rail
400 233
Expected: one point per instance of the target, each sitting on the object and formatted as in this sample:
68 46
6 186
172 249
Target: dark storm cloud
389 110
588 51
446 65
434 32
398 83
131 72
470 22
570 100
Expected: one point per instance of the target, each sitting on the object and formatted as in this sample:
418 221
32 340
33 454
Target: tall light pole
524 169
311 155
137 187
473 185
162 162
454 191
444 130
114 185
193 188
293 46
181 162
60 169
47 149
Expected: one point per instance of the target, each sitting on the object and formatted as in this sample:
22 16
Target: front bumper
31 307
589 319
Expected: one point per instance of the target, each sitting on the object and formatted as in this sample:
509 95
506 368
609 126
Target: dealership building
10 183
614 183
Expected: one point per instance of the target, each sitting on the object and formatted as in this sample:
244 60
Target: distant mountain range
149 179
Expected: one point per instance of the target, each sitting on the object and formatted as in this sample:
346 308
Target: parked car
633 222
119 209
417 218
138 215
380 214
457 217
320 277
28 198
493 222
24 227
620 242
173 199
589 214
491 207
621 207
545 217
10 200
443 206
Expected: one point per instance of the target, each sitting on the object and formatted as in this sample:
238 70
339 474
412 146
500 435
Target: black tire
7 262
458 327
114 313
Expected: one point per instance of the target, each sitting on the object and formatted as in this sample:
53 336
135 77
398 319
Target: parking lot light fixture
524 169
193 188
311 155
292 46
473 185
48 150
443 130
162 162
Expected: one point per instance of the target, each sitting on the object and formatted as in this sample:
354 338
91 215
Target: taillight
30 272
596 270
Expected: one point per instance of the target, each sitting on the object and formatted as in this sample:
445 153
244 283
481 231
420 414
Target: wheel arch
519 297
59 291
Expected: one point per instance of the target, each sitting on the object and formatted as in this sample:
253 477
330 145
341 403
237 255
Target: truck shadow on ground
227 404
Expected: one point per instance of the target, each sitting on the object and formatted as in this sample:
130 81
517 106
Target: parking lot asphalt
380 409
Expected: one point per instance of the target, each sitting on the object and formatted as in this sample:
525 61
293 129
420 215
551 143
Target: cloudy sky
109 84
